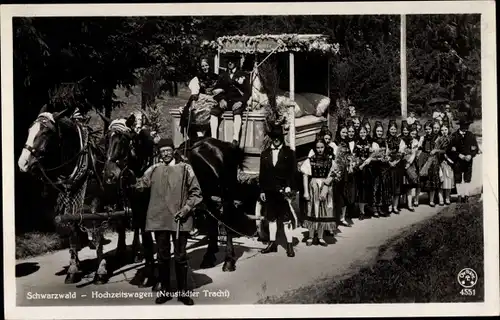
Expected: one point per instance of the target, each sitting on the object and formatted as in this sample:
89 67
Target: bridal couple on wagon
211 96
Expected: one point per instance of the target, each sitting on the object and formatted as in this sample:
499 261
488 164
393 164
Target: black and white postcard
249 160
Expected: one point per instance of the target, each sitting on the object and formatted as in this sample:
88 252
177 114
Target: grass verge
33 244
421 265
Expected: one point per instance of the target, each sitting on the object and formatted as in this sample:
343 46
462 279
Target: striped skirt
320 214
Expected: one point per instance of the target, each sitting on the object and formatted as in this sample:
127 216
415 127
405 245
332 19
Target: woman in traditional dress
350 182
366 124
429 169
445 162
320 210
405 135
342 190
396 148
341 138
419 137
363 176
378 167
351 135
412 178
203 90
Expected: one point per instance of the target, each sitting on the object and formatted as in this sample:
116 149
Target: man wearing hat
278 167
175 191
236 86
463 148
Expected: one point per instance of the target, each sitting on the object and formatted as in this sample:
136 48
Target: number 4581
468 292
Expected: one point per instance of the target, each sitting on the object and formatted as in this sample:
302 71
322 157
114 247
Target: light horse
60 152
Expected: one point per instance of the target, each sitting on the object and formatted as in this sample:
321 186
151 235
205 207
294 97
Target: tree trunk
147 90
107 109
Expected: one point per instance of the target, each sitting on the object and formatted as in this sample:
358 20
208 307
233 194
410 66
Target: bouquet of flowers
433 158
353 162
408 153
379 155
336 172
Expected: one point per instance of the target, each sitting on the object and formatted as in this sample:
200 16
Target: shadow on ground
26 268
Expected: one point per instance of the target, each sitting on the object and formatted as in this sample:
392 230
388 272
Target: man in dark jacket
277 174
462 150
175 192
236 92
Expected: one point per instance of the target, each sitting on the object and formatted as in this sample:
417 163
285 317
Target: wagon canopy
266 43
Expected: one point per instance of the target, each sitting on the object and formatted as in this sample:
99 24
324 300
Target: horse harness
71 189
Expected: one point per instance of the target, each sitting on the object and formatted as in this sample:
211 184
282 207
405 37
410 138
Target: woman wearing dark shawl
201 101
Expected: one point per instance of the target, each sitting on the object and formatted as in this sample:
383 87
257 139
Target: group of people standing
385 168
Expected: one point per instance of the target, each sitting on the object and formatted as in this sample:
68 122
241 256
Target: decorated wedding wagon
297 66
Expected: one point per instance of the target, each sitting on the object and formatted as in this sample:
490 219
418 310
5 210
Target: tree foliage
444 58
100 54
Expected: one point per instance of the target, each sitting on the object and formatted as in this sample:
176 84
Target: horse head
127 147
43 147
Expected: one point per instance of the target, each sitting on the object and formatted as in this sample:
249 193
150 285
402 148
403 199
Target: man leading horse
174 193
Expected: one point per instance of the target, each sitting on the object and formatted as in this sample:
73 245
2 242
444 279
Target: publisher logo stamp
467 278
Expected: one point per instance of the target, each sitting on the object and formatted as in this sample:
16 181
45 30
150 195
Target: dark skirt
364 185
394 180
346 191
411 177
431 181
380 191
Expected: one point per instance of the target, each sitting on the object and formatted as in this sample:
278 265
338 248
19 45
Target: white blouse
194 86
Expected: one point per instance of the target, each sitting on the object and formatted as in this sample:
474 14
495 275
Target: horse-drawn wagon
305 111
302 63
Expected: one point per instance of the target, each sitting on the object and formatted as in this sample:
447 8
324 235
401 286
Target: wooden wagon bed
253 132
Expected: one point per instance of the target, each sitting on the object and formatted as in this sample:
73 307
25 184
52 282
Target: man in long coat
278 167
175 191
236 92
462 150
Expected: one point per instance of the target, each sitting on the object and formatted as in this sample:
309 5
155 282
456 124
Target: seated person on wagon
236 92
201 102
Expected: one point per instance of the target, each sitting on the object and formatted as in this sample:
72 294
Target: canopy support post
292 96
404 80
217 62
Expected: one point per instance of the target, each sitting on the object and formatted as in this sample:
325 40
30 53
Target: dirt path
256 277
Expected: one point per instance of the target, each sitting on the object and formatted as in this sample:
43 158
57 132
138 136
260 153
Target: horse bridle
46 122
122 163
51 125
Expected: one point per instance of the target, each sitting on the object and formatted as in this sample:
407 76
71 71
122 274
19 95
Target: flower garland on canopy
263 43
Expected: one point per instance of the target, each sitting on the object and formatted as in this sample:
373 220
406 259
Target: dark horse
128 155
59 151
215 164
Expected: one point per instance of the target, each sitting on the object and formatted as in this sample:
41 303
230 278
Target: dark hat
464 122
325 131
233 59
166 142
392 122
276 131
